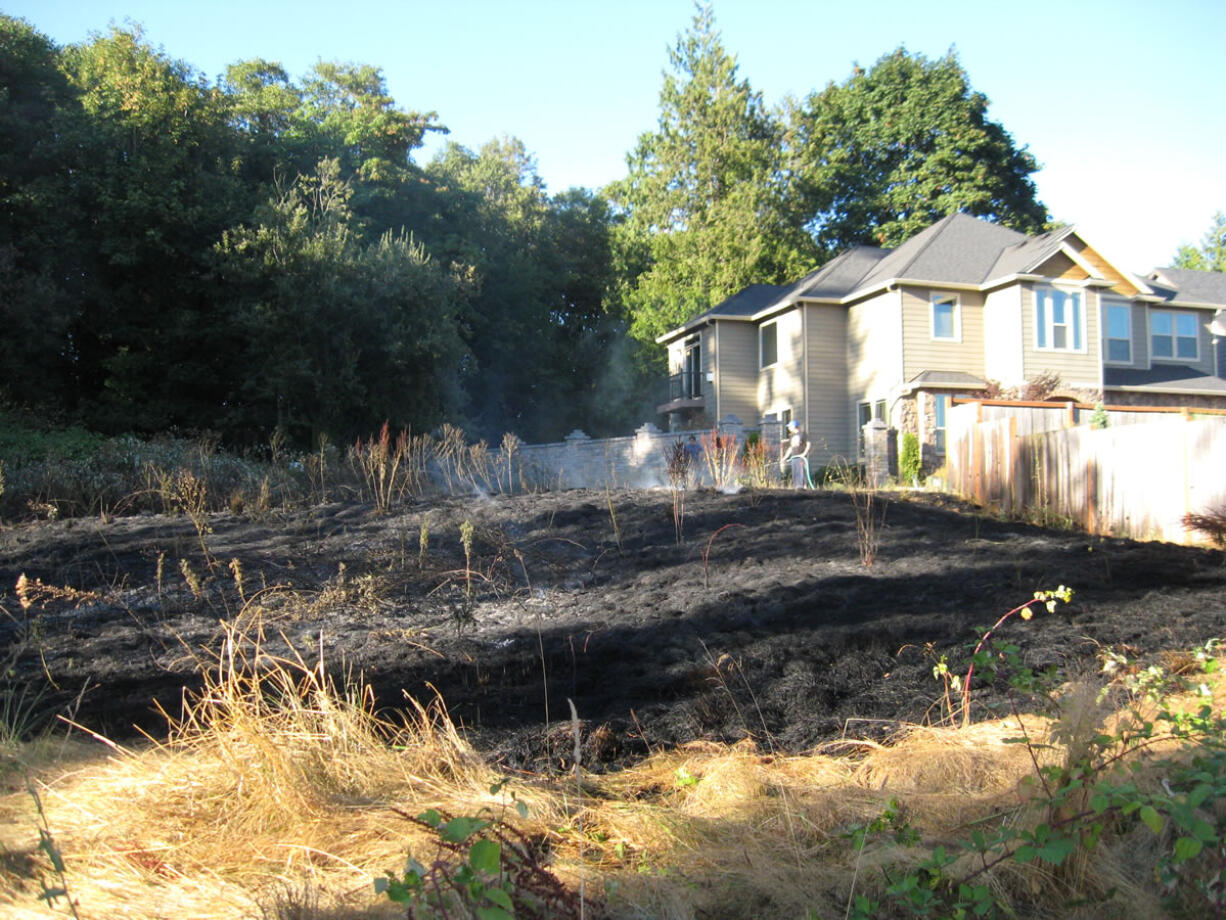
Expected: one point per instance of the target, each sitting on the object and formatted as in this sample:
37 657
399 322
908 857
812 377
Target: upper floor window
1118 320
1058 319
768 344
1173 335
946 321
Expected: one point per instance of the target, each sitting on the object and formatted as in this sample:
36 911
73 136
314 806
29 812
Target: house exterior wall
781 386
874 352
828 421
736 370
1077 369
1118 283
921 352
1139 334
1204 339
1002 332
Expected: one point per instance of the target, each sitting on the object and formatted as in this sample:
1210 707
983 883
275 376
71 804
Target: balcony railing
686 385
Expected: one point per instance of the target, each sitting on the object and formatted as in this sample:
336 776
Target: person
797 455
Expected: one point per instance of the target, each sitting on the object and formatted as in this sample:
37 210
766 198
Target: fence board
1135 480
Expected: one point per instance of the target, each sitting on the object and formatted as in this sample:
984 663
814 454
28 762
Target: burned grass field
758 728
763 623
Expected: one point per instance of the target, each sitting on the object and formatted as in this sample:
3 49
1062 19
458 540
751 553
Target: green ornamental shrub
909 458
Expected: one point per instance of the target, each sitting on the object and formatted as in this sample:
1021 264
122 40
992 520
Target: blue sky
1119 101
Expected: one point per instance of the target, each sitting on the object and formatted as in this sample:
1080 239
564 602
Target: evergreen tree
703 204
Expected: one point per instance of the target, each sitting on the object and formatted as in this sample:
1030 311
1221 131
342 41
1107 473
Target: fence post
876 452
572 465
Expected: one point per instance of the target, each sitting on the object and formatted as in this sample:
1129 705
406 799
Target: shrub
909 458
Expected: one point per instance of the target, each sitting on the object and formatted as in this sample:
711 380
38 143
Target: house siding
1139 336
1119 284
736 361
1076 369
829 419
1002 333
923 353
874 352
781 386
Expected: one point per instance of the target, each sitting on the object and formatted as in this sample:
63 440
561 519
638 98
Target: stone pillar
730 427
876 453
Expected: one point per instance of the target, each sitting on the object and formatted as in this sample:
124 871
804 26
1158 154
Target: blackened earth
762 622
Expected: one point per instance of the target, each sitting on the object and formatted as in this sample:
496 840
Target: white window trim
935 299
761 329
1174 358
1126 306
1081 308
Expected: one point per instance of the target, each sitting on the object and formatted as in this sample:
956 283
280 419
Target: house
894 334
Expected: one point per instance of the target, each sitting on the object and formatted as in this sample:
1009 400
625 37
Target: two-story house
895 333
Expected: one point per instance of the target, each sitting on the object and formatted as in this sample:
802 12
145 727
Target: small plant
379 461
1047 598
722 455
1212 523
706 582
46 843
909 464
680 466
1099 420
868 506
483 868
423 543
466 538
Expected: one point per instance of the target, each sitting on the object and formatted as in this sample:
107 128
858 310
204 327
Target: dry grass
273 793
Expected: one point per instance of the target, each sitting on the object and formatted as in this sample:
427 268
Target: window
945 320
940 402
1057 319
1173 335
864 414
785 416
1119 332
879 410
768 344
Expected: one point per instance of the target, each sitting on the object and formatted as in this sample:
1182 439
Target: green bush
909 463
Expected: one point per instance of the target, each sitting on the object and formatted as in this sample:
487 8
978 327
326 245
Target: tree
1210 256
39 219
886 153
340 334
703 204
152 176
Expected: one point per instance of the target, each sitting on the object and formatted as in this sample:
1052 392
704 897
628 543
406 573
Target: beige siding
781 386
736 367
829 420
1002 336
1081 369
921 352
1062 267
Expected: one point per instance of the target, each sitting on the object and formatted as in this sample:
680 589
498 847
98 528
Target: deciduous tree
1210 255
890 151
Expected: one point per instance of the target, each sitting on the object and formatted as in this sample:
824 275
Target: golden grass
273 795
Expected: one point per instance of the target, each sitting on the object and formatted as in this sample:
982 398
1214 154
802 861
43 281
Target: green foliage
1210 255
1100 419
705 212
889 151
1102 789
909 463
482 869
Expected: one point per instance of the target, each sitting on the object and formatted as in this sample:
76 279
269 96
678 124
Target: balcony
684 392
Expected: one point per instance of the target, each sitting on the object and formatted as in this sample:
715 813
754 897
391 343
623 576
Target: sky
1119 102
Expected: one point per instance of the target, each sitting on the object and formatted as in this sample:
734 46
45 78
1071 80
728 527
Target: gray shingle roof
1187 286
747 302
1164 377
957 249
947 379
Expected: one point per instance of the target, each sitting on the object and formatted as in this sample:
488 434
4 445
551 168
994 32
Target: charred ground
763 622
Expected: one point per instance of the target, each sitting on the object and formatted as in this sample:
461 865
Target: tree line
264 252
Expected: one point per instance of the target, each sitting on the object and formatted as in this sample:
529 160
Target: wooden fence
1132 479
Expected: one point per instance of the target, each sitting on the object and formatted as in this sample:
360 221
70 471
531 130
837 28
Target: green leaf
485 856
457 830
493 913
1199 794
1187 848
1152 819
501 898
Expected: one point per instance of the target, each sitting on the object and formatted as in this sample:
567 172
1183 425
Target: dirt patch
762 623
